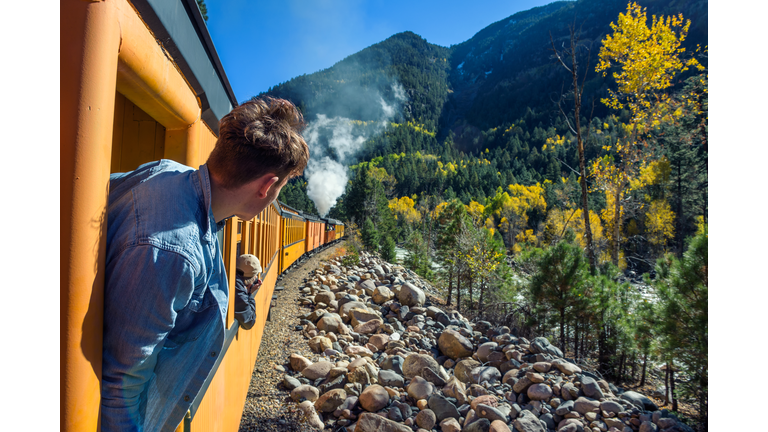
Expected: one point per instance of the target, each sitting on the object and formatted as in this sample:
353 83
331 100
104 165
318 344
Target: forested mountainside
481 117
472 157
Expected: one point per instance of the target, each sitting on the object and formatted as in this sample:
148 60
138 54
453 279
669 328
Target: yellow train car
293 237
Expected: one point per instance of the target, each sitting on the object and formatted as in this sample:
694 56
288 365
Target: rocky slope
386 359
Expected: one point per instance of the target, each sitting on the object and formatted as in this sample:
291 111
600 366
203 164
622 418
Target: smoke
335 142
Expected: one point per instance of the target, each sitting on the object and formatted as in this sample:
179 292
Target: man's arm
145 290
245 305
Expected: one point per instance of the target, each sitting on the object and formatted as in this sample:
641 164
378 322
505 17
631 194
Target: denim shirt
165 296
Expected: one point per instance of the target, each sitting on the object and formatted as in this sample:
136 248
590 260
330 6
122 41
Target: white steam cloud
334 143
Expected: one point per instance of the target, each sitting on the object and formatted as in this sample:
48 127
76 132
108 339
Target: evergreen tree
682 319
388 250
370 236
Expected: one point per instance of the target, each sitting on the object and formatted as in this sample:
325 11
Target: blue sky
264 43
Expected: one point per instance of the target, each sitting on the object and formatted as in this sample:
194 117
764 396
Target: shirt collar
211 227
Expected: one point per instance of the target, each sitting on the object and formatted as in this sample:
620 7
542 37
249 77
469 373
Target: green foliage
681 314
366 199
388 250
417 258
294 194
558 282
203 9
370 236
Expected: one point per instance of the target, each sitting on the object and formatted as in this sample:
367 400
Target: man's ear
265 183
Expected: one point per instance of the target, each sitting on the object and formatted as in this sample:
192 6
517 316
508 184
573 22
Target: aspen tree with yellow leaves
644 61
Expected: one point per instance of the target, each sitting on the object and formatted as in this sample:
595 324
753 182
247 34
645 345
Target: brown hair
256 138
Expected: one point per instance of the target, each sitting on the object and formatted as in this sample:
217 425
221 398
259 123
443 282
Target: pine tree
682 319
388 250
370 236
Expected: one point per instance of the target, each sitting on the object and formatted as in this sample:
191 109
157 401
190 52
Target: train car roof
184 35
289 209
310 217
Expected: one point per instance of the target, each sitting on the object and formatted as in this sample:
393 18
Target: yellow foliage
475 211
648 58
656 172
660 222
440 208
608 215
526 236
404 209
415 126
559 220
701 225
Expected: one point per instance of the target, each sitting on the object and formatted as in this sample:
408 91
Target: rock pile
389 361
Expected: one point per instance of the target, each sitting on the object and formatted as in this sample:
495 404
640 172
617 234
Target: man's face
257 205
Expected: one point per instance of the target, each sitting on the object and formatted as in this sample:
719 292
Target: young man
166 291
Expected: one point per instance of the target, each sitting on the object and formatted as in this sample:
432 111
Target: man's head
259 148
256 138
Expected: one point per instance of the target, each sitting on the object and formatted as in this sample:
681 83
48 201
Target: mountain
477 114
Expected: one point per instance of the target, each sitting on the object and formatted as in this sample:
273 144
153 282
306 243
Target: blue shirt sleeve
146 288
245 305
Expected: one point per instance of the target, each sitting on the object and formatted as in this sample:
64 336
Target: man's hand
254 286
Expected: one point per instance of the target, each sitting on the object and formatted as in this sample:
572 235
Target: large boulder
481 425
298 362
379 341
426 419
585 405
443 408
369 422
324 297
306 392
390 378
346 307
484 350
312 418
454 345
410 295
590 388
317 370
463 370
419 388
361 315
541 345
367 285
539 392
485 373
331 400
528 422
382 294
415 364
320 343
374 398
368 327
330 322
639 400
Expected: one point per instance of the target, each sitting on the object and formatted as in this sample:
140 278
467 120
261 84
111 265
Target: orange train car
334 230
141 81
315 228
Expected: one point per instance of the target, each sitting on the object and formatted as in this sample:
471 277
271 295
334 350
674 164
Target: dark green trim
180 28
297 241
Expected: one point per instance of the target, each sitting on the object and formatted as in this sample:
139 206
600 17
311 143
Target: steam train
141 81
